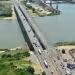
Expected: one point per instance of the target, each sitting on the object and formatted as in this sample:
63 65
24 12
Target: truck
45 63
39 51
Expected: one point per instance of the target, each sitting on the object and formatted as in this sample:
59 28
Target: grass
34 12
7 65
6 69
23 63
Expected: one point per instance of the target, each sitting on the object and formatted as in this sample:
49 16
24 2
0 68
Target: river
10 34
59 28
55 28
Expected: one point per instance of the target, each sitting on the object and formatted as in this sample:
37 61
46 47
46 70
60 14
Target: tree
30 69
6 56
33 10
27 54
63 51
20 71
17 56
43 73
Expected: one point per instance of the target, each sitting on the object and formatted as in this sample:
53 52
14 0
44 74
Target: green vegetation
16 56
4 49
54 13
63 51
5 9
15 64
37 12
64 43
34 11
30 69
22 72
43 73
40 14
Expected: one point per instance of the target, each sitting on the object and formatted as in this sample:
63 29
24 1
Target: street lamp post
50 3
56 5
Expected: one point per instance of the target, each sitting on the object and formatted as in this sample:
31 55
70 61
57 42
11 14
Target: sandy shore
67 54
66 47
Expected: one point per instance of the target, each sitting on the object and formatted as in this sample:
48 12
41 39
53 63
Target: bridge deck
29 25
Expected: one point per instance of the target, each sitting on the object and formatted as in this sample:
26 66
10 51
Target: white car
39 51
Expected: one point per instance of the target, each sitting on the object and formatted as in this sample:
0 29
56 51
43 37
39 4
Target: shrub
30 69
63 51
43 73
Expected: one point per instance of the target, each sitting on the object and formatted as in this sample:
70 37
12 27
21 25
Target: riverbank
13 15
64 43
7 10
34 9
9 18
66 47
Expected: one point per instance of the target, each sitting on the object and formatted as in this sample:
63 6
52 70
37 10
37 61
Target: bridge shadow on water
24 33
27 39
33 29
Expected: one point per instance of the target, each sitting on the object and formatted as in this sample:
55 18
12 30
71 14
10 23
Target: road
31 36
52 69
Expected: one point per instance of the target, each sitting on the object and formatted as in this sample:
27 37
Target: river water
61 27
10 34
55 28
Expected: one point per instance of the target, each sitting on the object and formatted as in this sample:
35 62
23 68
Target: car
39 51
51 72
34 36
29 30
45 63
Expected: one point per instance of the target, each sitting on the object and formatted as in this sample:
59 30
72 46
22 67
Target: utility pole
56 5
50 3
51 8
44 1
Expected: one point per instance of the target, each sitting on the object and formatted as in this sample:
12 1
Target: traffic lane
60 66
43 57
52 71
54 56
42 61
58 61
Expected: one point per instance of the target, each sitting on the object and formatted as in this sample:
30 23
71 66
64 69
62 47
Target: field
14 64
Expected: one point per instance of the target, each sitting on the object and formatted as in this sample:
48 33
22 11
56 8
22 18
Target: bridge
36 41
